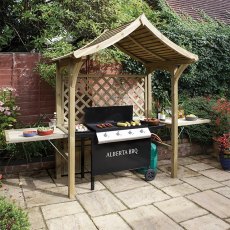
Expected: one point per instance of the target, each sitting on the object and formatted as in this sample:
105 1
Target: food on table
152 121
43 131
104 125
191 115
81 128
122 124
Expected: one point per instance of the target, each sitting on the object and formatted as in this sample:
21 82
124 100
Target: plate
29 133
191 118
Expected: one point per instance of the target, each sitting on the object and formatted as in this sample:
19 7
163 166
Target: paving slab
213 162
61 209
141 196
124 173
30 184
111 222
63 181
163 180
182 171
12 191
202 182
34 174
226 183
213 202
180 209
164 162
119 184
86 187
207 222
186 161
46 196
201 157
225 191
148 218
100 203
79 221
35 218
199 166
216 174
179 190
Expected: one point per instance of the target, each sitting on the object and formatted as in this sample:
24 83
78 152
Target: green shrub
12 217
203 108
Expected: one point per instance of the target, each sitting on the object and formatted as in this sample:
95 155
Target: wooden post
58 159
73 74
176 73
149 95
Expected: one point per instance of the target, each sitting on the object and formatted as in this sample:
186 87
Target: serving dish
43 131
151 121
29 133
189 118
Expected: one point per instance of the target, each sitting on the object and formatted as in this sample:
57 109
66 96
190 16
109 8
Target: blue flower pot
225 161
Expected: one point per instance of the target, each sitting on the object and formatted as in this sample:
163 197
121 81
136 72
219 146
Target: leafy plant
8 111
224 142
201 107
221 117
12 217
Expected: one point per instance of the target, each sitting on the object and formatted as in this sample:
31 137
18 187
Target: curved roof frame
140 40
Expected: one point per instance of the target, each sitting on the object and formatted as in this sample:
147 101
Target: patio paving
198 199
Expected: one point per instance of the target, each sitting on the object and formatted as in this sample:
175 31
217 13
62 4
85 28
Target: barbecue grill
116 148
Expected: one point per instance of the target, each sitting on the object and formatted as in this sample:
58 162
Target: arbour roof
140 40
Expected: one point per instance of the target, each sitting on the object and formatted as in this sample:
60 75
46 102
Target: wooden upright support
58 159
74 69
176 73
149 95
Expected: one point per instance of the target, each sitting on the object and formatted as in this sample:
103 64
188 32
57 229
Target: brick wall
35 97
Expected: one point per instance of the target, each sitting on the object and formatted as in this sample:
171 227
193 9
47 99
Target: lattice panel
93 90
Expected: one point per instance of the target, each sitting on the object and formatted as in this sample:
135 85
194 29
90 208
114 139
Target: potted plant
221 127
224 154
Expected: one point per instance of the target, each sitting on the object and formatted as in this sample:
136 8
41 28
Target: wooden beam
73 74
129 53
176 73
143 48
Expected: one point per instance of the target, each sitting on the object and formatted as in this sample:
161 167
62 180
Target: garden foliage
12 217
8 111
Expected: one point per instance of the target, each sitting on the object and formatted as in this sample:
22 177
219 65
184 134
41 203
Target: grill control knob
142 131
118 133
105 135
130 132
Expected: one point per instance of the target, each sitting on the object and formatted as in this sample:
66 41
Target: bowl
151 121
45 132
29 133
191 118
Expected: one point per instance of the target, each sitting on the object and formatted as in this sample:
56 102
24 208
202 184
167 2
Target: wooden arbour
140 40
